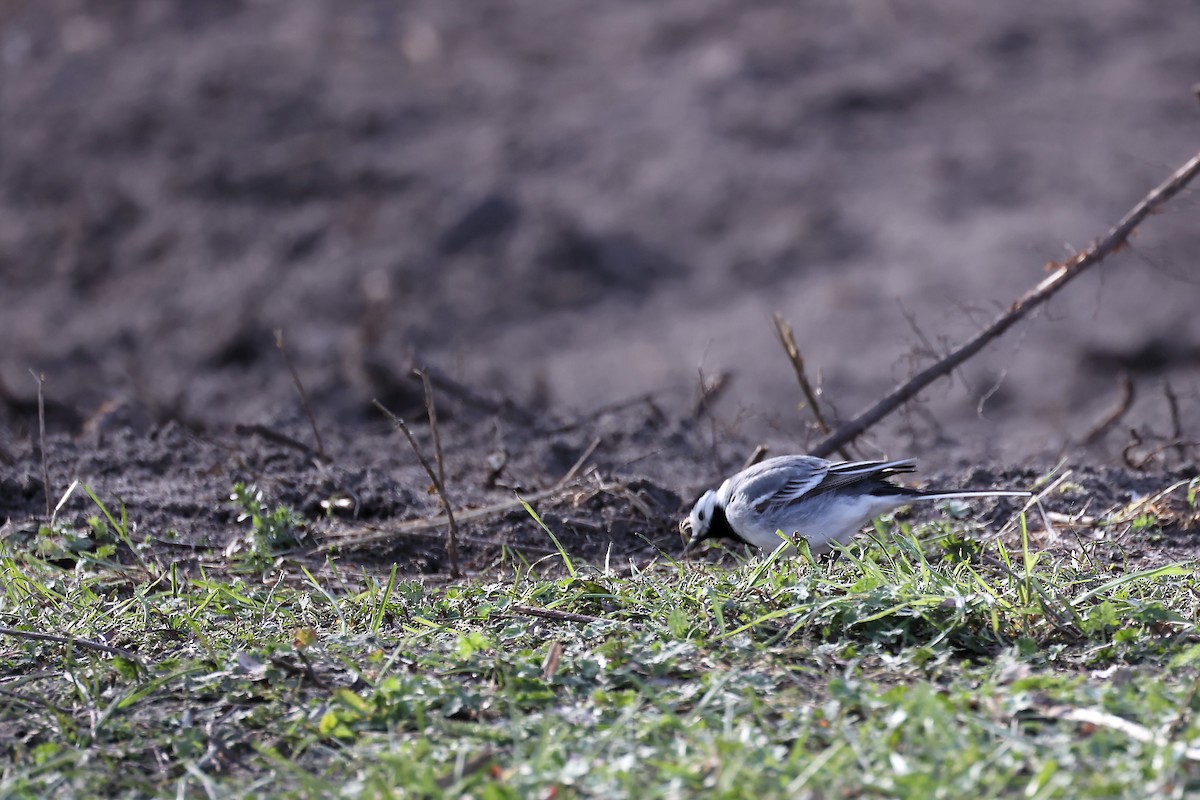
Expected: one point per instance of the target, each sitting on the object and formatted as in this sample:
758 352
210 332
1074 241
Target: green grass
901 670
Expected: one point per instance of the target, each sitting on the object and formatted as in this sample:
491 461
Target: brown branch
578 465
41 406
1176 418
452 541
787 338
505 407
431 411
1113 241
1127 453
312 418
562 616
435 429
86 643
1179 445
1124 403
275 437
758 455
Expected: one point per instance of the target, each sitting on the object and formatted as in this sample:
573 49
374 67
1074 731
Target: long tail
938 495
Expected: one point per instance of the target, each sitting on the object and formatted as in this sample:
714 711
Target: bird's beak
685 533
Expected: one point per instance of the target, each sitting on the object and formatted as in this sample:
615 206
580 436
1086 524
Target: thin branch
578 465
41 406
1134 443
561 616
1118 412
1063 273
758 455
452 542
431 411
312 418
1179 445
787 338
75 640
504 407
1176 418
275 437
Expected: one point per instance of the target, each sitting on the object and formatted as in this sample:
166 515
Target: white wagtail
820 501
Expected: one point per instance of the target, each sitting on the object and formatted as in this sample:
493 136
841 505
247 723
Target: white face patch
702 514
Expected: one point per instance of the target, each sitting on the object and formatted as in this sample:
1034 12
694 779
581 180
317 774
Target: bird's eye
700 516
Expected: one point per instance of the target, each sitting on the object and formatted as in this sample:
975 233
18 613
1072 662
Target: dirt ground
569 212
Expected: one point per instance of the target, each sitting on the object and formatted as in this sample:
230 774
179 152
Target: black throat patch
718 526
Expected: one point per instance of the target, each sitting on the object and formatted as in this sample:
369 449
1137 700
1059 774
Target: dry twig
41 405
431 411
452 540
275 437
312 418
758 455
1113 241
504 407
1124 403
1130 451
579 462
72 640
787 338
562 616
1176 419
435 429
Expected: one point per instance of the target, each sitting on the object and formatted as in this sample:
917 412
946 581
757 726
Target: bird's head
698 525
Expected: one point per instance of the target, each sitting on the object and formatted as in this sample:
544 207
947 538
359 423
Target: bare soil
568 213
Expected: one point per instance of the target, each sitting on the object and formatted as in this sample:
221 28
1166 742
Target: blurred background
572 204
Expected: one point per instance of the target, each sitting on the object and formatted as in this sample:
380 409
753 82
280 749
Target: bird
824 502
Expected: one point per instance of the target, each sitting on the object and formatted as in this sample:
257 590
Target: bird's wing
849 473
785 480
779 480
